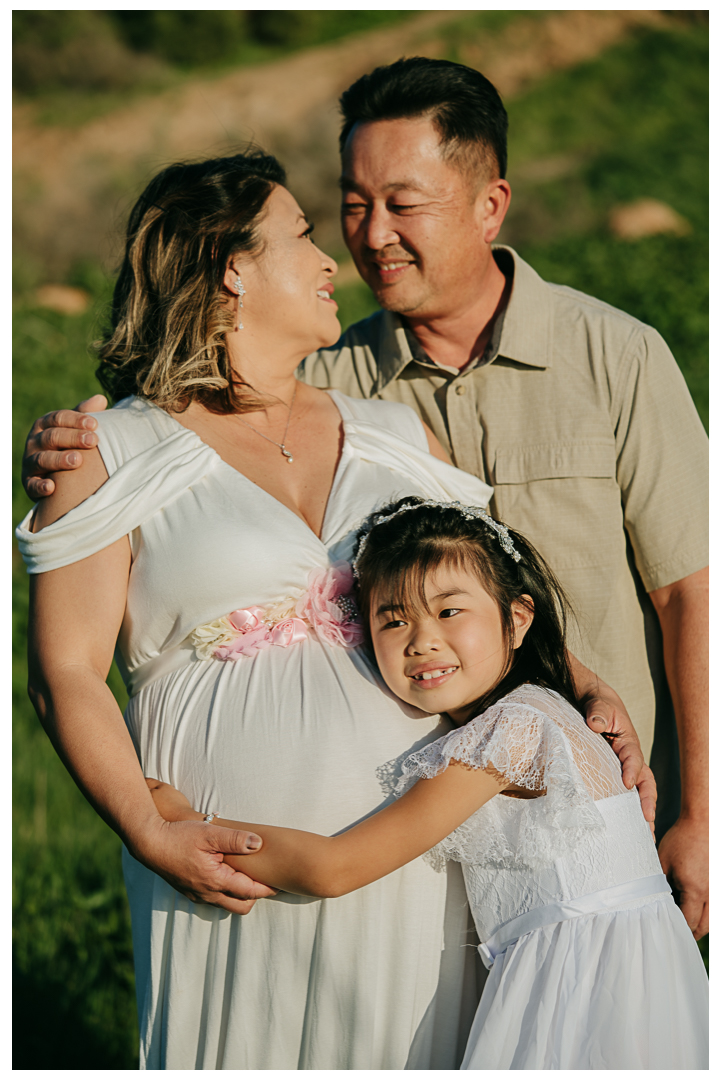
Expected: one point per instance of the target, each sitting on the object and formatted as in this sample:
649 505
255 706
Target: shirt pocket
564 497
555 461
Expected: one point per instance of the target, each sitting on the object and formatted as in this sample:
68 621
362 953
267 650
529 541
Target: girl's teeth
426 675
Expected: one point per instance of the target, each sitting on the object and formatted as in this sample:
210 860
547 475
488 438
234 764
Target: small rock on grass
646 217
63 298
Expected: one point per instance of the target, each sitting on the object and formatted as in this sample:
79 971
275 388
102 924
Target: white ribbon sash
593 904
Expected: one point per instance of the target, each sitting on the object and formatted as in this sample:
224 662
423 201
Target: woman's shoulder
129 428
390 415
144 461
71 489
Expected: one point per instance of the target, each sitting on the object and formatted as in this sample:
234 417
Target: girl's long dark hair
400 554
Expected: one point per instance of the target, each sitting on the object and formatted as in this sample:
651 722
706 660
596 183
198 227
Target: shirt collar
526 334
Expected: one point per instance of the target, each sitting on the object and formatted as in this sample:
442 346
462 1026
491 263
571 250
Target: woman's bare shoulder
71 488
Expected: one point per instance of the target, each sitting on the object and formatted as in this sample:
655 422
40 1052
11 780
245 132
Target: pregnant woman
207 536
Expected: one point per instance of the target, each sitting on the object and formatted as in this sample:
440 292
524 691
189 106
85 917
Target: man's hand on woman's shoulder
53 442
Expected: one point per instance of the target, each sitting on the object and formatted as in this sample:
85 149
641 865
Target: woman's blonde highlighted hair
170 313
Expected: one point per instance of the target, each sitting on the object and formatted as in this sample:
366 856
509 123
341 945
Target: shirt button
460 390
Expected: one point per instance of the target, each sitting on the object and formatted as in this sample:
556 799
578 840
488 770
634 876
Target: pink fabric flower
327 606
245 619
247 644
319 608
254 635
288 632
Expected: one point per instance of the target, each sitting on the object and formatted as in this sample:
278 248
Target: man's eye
448 612
352 208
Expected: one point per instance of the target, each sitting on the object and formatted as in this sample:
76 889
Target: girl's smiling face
443 656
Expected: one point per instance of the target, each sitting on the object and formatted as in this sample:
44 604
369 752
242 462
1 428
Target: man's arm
683 612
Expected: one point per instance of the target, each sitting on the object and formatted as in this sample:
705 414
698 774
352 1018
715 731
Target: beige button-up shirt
579 417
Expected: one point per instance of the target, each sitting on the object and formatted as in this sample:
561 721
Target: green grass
632 123
72 958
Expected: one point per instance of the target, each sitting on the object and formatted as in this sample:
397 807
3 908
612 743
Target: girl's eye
448 612
307 235
393 625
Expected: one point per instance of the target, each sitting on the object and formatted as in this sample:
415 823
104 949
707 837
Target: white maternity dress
380 979
592 965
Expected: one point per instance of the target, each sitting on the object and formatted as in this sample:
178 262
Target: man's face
415 225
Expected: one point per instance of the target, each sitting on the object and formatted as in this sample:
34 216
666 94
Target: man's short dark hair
464 106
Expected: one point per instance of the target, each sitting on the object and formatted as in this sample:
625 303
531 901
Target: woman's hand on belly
189 854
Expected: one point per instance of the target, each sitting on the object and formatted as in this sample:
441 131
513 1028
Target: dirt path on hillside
72 185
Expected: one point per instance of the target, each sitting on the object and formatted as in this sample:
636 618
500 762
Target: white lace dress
592 966
290 736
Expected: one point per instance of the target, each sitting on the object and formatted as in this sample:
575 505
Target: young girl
592 965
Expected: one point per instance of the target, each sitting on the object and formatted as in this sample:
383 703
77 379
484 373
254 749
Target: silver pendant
287 454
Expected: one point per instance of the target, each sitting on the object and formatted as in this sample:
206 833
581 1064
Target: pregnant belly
290 737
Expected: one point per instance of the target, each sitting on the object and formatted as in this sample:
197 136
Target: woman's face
288 293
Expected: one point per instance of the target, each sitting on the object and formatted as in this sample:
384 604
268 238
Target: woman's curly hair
166 341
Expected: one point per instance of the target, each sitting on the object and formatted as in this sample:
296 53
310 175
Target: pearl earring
241 292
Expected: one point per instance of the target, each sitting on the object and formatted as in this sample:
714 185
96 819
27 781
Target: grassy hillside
630 123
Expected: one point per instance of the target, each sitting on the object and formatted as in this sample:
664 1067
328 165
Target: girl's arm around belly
326 866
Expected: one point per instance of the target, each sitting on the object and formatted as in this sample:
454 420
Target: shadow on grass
51 1030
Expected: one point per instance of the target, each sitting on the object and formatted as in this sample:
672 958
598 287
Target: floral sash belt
327 606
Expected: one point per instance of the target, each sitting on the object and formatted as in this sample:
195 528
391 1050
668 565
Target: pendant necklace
280 445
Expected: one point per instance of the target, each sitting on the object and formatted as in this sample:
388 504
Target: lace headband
468 512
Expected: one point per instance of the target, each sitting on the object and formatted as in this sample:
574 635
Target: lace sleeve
509 738
525 747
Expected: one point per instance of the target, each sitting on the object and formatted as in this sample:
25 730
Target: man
574 412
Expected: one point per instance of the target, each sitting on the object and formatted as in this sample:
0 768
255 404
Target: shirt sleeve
662 465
